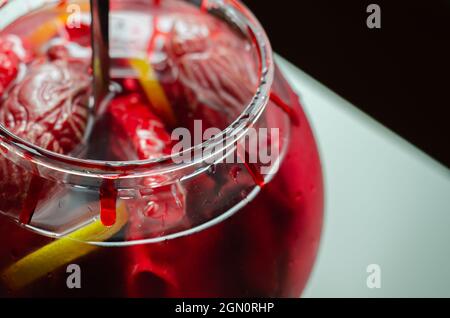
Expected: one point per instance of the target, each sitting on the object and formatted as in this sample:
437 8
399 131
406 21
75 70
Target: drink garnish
153 90
61 252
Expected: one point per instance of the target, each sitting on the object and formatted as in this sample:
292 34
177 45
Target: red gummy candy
49 106
49 109
214 66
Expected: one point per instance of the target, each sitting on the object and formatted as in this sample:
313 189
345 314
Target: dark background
399 74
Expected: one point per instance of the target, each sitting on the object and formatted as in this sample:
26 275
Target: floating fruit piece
141 135
153 90
136 127
138 131
46 31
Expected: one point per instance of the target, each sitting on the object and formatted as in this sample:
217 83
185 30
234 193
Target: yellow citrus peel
153 89
49 29
61 252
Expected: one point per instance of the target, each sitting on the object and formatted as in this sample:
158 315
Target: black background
399 74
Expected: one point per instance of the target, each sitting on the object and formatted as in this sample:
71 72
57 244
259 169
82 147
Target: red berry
49 106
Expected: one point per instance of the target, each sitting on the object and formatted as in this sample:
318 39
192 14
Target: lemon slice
61 252
153 89
49 29
46 31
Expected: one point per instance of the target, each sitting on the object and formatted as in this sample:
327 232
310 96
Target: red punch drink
198 176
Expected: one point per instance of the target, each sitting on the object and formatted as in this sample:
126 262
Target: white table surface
387 203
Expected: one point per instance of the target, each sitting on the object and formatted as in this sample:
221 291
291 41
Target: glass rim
164 164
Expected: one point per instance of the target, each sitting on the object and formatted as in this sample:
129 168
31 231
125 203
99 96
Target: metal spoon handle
100 49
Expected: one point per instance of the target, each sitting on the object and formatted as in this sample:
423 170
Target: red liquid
29 206
265 249
108 198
